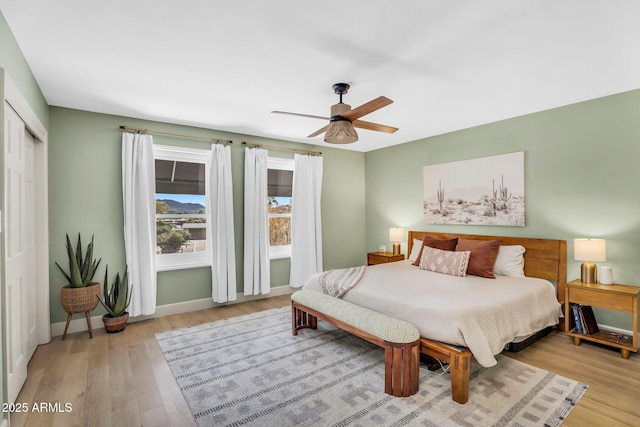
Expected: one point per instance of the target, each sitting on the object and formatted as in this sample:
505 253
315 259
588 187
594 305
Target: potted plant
79 296
115 301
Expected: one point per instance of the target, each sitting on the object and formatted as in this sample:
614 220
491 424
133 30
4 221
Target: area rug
250 370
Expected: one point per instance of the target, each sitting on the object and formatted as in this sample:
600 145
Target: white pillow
510 261
453 263
415 250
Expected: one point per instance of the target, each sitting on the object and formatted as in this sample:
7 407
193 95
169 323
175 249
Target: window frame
279 163
180 261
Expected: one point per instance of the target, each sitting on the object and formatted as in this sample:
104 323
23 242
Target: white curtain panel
138 193
257 264
223 254
306 223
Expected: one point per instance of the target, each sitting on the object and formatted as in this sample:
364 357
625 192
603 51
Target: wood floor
122 379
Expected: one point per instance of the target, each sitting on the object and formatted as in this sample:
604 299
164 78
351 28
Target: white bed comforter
480 314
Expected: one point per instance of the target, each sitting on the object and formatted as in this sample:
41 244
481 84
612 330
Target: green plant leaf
81 271
117 297
74 269
66 276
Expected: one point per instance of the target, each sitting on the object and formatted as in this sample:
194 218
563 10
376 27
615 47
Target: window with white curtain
183 237
279 191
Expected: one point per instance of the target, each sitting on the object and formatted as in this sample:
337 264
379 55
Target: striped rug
250 370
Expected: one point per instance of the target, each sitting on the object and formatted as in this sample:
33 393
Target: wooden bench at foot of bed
399 339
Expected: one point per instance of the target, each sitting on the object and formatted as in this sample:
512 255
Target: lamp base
588 273
396 248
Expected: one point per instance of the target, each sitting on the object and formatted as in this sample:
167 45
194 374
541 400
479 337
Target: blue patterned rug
250 370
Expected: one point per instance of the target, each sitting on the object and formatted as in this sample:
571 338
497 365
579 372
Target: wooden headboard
544 258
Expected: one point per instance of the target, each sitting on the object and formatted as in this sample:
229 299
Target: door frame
10 94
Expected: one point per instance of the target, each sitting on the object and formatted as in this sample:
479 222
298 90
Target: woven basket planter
115 324
80 300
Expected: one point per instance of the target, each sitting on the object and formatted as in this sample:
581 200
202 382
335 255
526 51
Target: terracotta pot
115 324
80 300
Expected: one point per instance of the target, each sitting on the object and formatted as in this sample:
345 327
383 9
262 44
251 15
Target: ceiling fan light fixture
340 131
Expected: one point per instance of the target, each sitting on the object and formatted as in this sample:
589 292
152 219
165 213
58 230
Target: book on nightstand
589 323
576 318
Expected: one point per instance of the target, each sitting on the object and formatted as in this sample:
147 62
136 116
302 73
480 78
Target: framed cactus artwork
484 191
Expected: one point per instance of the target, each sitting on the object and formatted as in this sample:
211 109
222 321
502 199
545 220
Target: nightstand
383 257
615 297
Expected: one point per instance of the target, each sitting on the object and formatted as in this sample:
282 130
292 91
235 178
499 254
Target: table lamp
396 235
589 250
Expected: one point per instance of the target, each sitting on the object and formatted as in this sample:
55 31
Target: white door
20 255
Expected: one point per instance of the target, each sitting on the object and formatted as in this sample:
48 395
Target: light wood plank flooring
122 379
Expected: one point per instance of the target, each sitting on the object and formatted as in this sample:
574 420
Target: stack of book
584 319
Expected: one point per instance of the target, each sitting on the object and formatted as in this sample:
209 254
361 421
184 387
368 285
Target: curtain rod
313 153
216 140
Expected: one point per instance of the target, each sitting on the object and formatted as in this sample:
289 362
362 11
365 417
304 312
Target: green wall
85 196
581 180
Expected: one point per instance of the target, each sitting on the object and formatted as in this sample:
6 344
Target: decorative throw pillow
453 263
415 250
432 242
510 261
483 256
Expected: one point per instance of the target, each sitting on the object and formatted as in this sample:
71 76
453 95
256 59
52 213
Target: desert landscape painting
484 191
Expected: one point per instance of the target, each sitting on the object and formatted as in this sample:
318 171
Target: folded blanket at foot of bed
337 282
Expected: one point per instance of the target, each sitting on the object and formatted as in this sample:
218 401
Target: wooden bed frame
544 258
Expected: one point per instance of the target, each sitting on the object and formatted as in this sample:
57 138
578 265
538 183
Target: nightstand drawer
383 257
612 301
377 259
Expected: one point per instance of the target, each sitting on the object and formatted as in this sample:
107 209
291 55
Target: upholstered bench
399 339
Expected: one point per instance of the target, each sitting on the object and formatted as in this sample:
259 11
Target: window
279 191
182 183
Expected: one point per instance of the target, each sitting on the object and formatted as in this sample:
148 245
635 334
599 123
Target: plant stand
69 321
79 300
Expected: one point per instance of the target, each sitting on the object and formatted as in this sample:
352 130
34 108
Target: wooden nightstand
383 257
614 297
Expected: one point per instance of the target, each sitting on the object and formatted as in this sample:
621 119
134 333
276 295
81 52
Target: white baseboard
79 323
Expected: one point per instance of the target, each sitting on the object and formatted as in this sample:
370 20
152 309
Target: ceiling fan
343 120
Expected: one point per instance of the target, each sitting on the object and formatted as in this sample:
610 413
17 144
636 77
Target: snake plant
116 300
81 270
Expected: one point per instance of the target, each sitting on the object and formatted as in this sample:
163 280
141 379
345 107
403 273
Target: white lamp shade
396 234
590 249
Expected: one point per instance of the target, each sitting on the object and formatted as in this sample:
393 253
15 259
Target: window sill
279 252
182 266
279 256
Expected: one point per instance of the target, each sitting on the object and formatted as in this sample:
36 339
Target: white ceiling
226 65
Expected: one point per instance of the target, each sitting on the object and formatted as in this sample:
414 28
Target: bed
486 329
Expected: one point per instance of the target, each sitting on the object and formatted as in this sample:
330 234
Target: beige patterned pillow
453 263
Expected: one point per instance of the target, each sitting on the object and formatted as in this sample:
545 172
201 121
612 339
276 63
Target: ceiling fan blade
373 126
319 131
367 108
300 115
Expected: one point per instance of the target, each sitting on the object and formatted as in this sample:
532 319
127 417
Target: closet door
20 252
